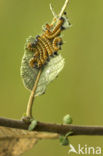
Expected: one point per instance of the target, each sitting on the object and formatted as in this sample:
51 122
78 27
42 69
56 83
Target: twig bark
32 96
56 17
63 8
53 128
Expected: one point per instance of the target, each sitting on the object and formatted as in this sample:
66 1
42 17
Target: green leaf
64 140
50 72
67 119
32 125
68 134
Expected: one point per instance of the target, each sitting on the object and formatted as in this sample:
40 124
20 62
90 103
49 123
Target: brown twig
53 128
55 16
63 8
32 96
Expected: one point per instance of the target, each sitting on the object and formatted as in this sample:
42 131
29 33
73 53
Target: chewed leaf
50 72
66 24
14 142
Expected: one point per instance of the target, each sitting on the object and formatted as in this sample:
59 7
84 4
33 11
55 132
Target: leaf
50 72
67 119
14 142
32 125
64 140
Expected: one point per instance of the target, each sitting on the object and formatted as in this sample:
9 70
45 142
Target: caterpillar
33 60
59 24
31 46
37 59
39 47
57 30
57 42
44 51
49 27
40 56
51 36
47 44
39 63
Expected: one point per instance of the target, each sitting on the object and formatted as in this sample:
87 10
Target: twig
32 96
53 128
56 17
52 10
63 8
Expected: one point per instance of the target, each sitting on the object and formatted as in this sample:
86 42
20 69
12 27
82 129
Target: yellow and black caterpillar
47 44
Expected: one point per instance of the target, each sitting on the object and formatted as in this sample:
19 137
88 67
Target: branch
61 12
53 128
32 96
63 8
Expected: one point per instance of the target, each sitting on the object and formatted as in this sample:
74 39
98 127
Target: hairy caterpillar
46 44
56 31
57 42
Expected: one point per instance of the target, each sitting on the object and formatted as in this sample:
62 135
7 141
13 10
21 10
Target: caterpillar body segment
56 31
41 52
58 25
45 42
39 63
57 42
31 46
49 45
39 47
51 36
33 60
44 53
